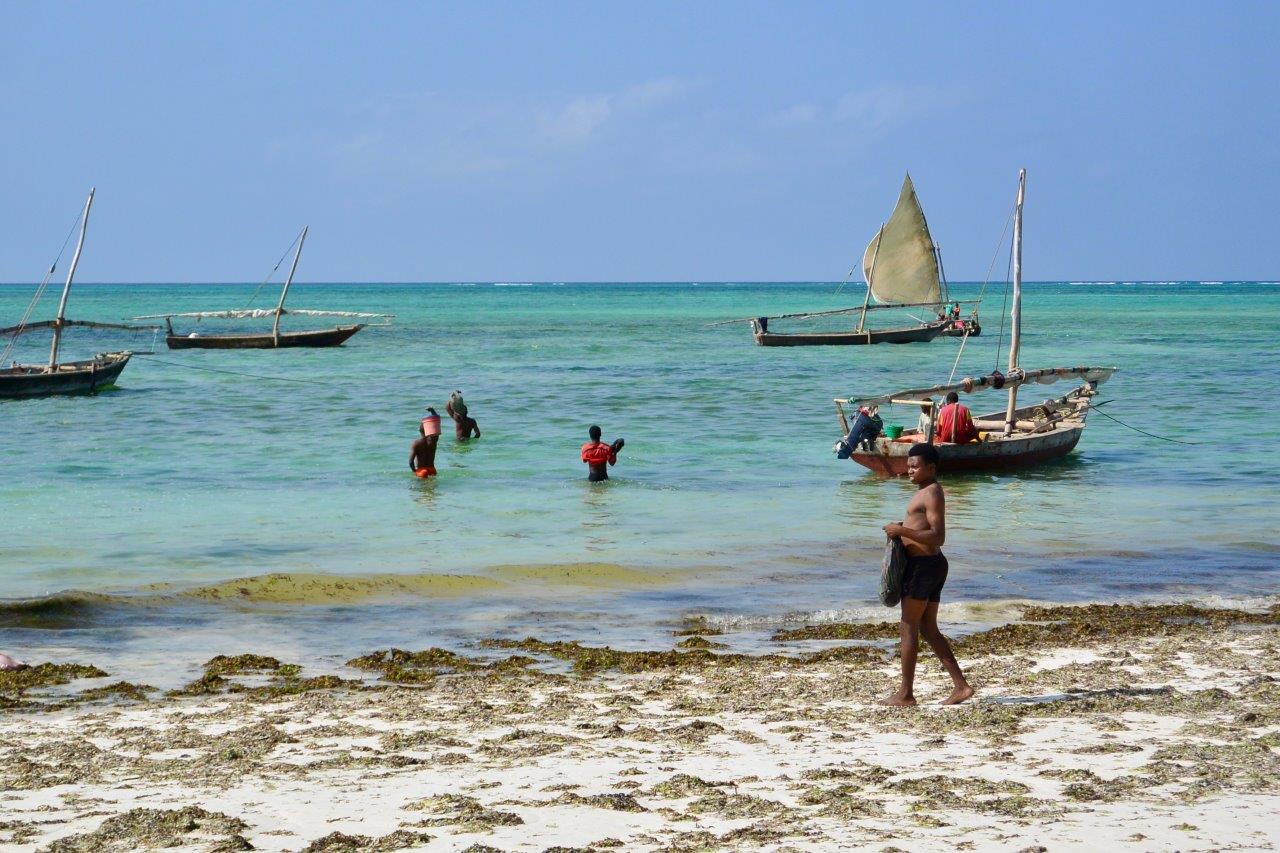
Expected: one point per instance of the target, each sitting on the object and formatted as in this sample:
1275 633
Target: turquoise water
727 495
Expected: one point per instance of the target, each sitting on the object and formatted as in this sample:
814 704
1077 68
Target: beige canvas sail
906 268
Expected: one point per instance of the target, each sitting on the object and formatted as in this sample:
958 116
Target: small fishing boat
275 339
902 268
1018 437
61 377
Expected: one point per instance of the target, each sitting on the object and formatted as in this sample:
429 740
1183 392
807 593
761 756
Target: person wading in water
422 455
599 455
922 533
465 427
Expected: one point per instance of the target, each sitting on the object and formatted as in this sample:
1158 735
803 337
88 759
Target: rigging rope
234 372
963 341
1135 429
44 283
273 272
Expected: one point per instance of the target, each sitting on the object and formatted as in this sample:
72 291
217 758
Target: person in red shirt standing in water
954 424
599 455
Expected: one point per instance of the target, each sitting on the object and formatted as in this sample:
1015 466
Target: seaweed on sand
466 813
404 667
285 678
340 842
151 829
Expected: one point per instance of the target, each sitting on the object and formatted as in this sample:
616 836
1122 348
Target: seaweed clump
1072 626
464 812
285 678
157 828
404 667
340 842
839 631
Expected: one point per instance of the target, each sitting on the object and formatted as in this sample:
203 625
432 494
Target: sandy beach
1148 727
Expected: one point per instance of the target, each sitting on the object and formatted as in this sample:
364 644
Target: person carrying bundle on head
464 426
599 455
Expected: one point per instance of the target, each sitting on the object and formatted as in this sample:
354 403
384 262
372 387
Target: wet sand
1146 727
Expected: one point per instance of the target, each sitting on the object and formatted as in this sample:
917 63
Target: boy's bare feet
899 700
958 695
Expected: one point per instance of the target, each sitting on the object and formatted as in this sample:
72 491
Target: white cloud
427 133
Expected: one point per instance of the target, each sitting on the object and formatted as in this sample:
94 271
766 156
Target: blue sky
691 141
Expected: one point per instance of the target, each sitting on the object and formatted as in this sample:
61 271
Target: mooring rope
234 372
1143 431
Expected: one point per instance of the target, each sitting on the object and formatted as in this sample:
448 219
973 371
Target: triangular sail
906 265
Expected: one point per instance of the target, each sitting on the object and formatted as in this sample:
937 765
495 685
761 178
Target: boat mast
1015 329
275 327
66 288
871 276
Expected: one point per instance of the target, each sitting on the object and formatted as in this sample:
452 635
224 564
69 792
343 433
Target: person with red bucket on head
422 455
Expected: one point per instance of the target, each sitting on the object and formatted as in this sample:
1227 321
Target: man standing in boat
955 424
922 533
599 455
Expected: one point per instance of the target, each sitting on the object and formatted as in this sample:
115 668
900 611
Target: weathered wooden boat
902 268
906 335
1018 437
275 339
61 377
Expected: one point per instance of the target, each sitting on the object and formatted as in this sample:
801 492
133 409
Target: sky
702 141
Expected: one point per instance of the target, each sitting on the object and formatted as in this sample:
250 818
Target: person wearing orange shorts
422 455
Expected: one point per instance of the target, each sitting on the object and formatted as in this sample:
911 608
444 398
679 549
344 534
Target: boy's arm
475 428
413 457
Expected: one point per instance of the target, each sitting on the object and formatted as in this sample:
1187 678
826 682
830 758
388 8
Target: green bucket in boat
893 432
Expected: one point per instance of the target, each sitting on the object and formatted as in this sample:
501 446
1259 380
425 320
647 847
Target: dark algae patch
403 667
839 631
153 829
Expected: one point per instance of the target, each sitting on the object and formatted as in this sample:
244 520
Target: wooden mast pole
871 276
275 327
1015 333
66 288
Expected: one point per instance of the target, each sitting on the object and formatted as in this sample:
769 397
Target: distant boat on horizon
902 268
275 339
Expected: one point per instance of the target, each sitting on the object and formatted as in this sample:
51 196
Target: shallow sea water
727 500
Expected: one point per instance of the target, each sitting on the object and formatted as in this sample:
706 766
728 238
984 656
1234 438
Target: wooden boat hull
318 338
1004 454
971 327
914 334
72 377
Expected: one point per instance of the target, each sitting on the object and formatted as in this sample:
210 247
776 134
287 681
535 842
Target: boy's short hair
953 397
594 432
927 452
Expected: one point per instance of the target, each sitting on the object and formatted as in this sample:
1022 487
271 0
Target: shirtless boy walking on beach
922 533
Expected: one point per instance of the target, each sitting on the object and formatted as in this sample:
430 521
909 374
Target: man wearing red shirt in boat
599 455
954 425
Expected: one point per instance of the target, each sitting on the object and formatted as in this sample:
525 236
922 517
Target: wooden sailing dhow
61 377
902 269
1019 436
274 339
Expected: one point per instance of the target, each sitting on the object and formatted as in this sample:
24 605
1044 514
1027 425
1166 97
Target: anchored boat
1019 436
903 269
275 339
61 377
